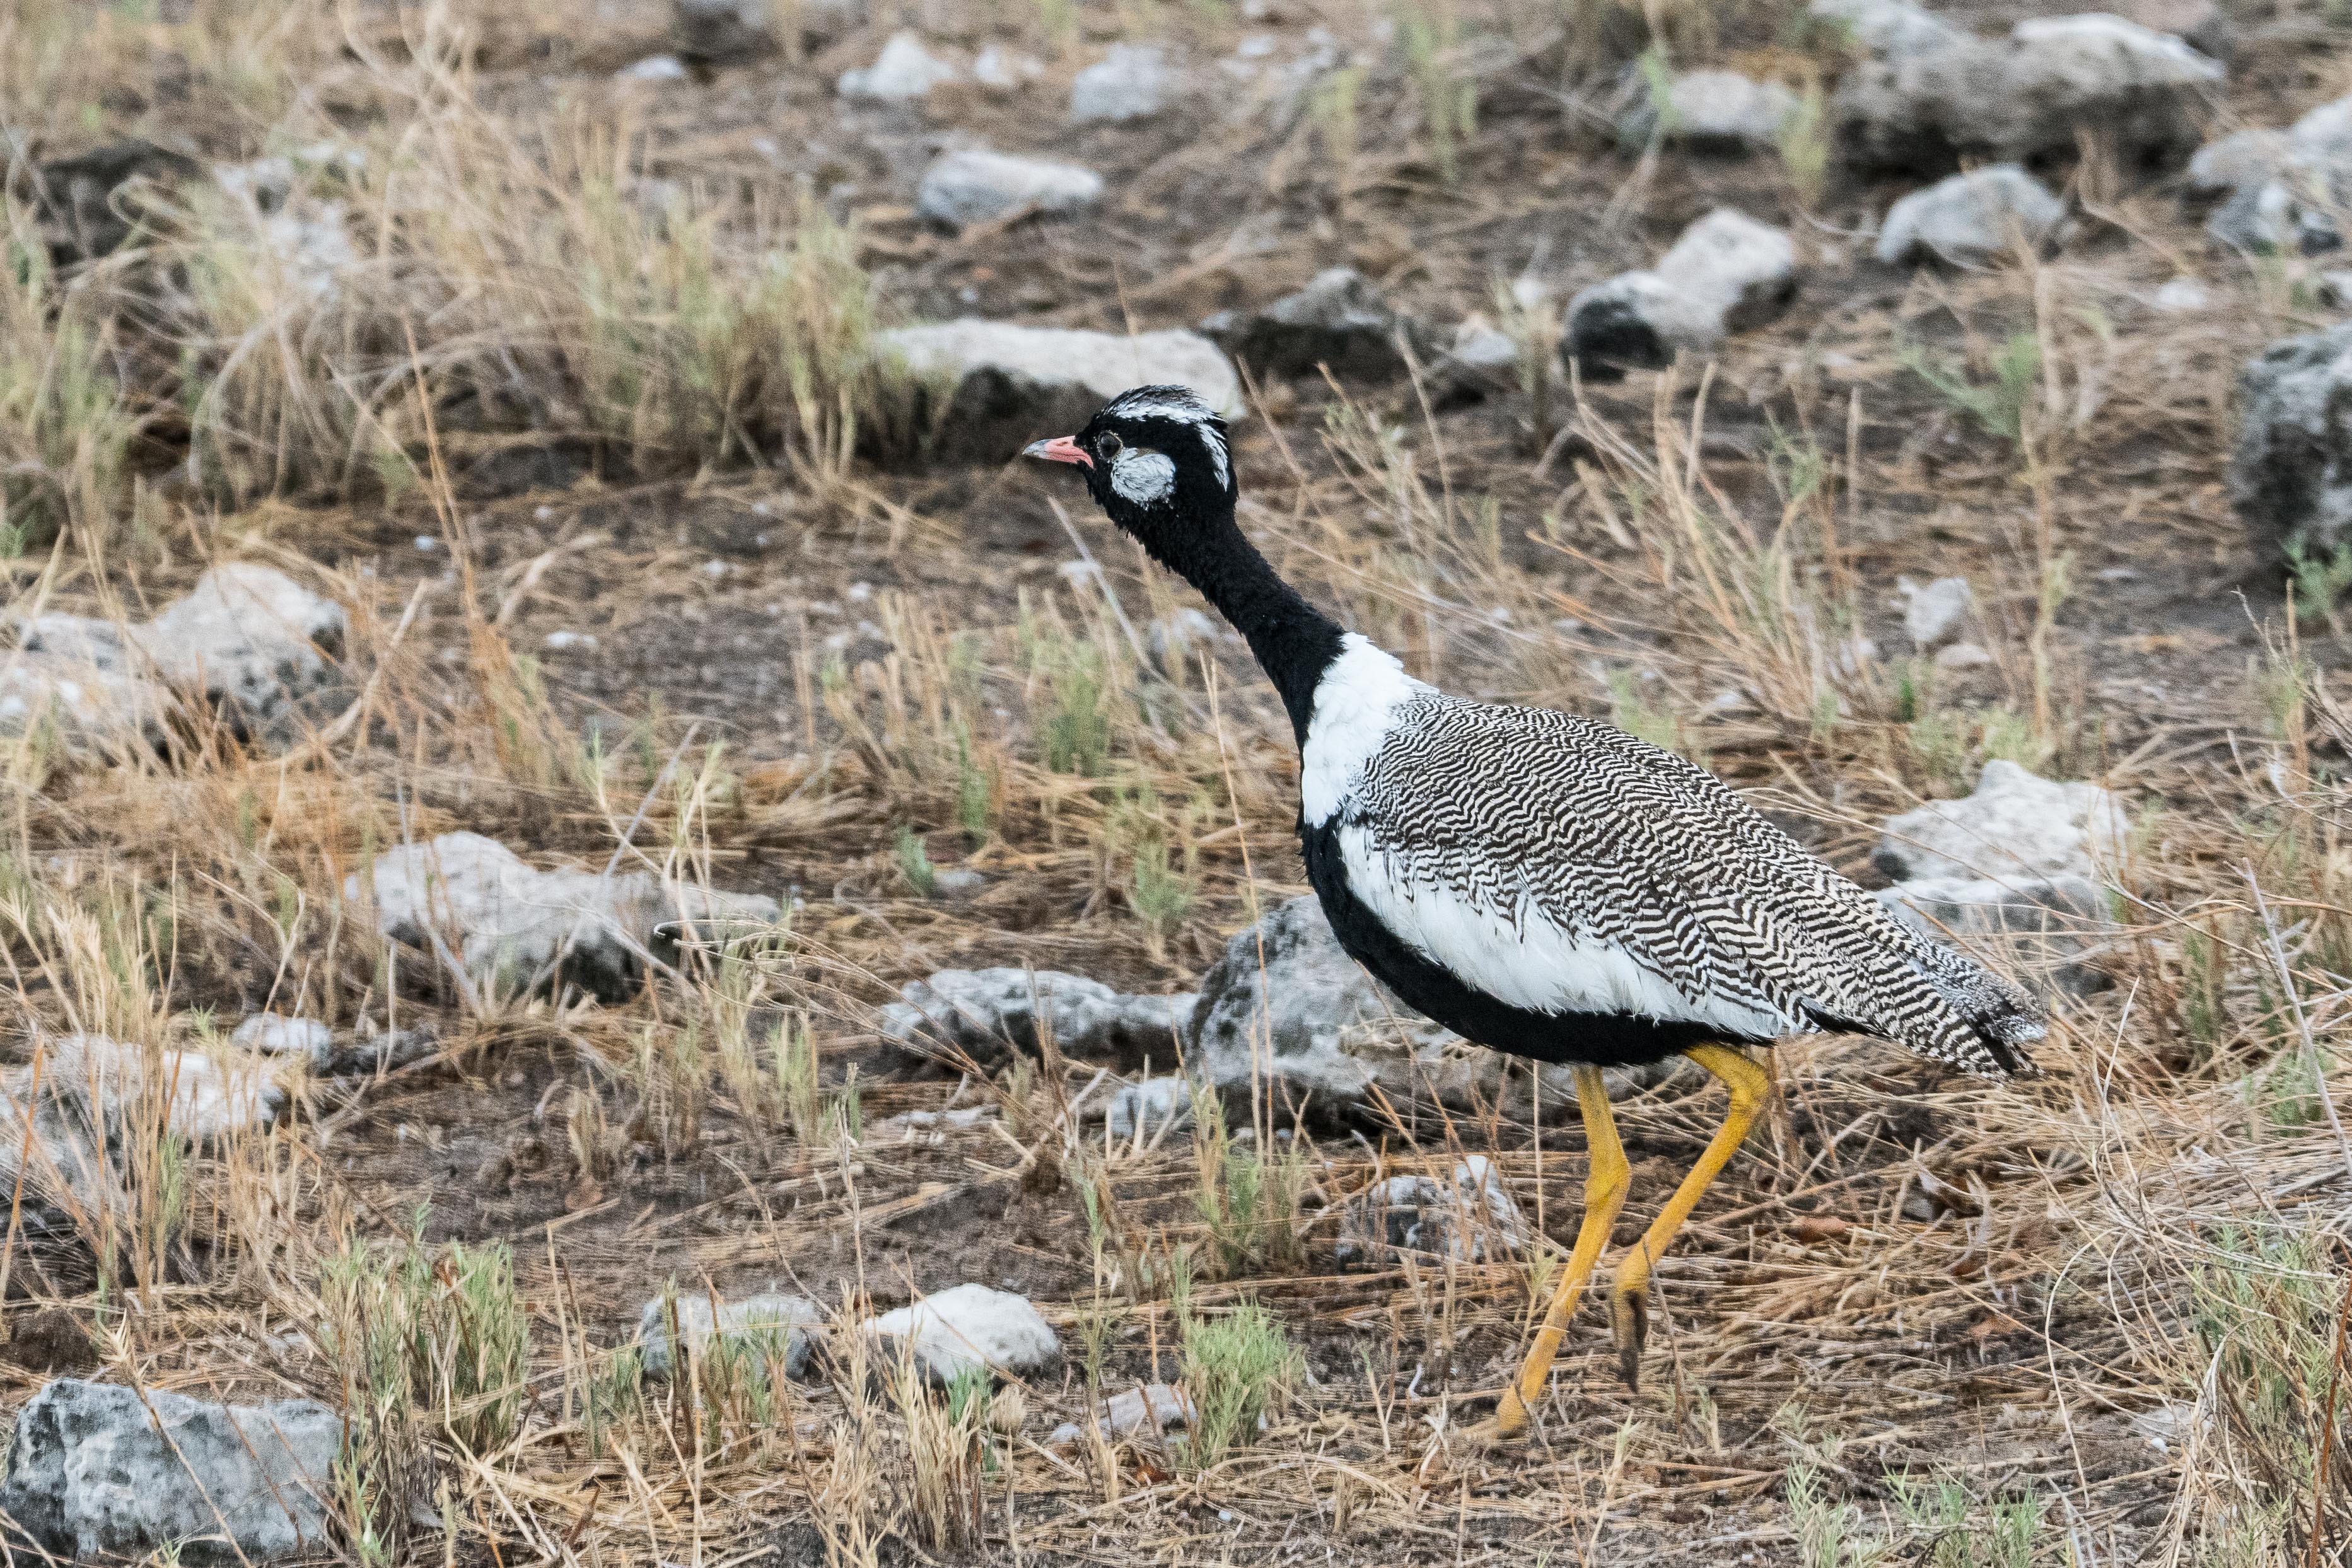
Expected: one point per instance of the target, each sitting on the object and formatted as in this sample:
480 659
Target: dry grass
2094 1319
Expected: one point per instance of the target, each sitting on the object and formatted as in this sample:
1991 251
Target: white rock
989 1013
791 1325
84 1091
99 1472
1969 217
1963 656
564 642
2324 136
247 637
2237 161
514 927
2016 824
968 1327
1888 27
974 186
653 68
275 1034
1713 112
1932 614
1339 322
1470 1219
2180 296
96 708
1133 81
1001 69
1013 382
1725 274
1152 1409
904 72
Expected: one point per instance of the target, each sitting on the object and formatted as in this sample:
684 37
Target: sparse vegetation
565 387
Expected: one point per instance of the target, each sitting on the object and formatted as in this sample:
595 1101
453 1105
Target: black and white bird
1542 883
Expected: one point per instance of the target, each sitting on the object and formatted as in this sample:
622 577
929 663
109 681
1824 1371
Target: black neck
1293 641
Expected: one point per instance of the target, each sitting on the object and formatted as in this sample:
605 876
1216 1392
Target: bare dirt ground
2095 1347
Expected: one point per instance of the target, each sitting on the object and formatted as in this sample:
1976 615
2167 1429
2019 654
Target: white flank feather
1355 704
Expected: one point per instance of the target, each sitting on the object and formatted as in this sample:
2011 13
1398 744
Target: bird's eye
1110 447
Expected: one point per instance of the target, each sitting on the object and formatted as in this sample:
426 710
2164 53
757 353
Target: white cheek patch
1143 477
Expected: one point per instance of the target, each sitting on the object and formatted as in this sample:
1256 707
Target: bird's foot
1629 1316
1511 1417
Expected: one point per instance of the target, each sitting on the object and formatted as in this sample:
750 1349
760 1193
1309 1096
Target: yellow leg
1605 1181
1629 1307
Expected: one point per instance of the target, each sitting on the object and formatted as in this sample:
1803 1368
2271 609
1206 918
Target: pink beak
1061 449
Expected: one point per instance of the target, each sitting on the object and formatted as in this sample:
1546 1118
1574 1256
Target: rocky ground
627 944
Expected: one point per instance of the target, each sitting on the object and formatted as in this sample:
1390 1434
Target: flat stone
513 927
1338 321
1969 217
1005 384
1712 111
786 1326
1132 81
904 72
993 1014
1725 274
968 1327
1933 614
94 1476
274 1034
974 186
2015 825
2290 473
1471 1219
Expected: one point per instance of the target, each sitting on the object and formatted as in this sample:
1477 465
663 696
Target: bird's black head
1158 461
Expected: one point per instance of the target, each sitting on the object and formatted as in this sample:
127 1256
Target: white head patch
1183 406
1143 477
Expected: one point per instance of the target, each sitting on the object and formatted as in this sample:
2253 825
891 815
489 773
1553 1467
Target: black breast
1599 1040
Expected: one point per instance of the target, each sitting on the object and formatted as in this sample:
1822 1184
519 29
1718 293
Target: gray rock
968 1327
1339 321
108 712
769 1324
85 1095
1470 1219
246 637
2180 296
1153 1408
380 1051
1888 28
973 187
1132 81
2048 927
2293 214
2026 96
904 72
273 1034
2291 472
1969 217
1149 1107
992 1013
1712 111
1287 1007
1004 384
93 1476
1932 615
1725 274
2015 825
2242 159
1963 656
515 928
